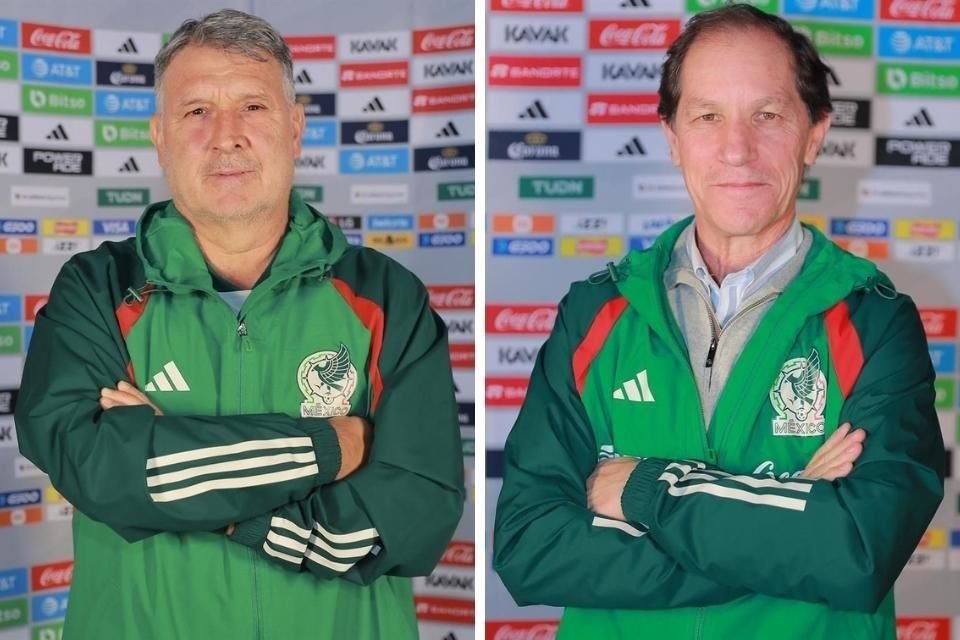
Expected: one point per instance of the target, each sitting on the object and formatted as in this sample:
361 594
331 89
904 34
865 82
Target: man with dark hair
684 465
204 393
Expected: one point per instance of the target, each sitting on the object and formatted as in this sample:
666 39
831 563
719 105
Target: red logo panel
369 74
622 108
517 71
506 391
51 576
633 34
524 319
312 47
920 10
458 98
53 38
458 38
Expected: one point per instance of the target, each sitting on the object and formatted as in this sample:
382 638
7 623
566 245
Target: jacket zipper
716 331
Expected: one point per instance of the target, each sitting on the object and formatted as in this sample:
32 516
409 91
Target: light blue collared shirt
736 287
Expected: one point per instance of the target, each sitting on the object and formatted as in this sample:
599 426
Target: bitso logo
327 379
799 396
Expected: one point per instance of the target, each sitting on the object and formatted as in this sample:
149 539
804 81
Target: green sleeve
398 512
841 543
548 547
107 463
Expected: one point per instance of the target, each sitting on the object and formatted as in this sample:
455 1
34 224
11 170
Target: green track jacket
330 330
722 540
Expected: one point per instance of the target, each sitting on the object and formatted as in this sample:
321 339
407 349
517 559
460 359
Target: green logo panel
58 100
13 613
9 65
47 632
936 80
10 338
123 197
123 133
946 389
696 6
809 189
838 38
455 191
309 193
556 187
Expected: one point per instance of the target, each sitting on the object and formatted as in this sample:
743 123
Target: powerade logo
125 228
320 133
527 247
390 222
376 161
914 152
918 42
860 228
11 227
49 606
58 69
862 9
443 239
13 582
8 33
944 357
21 498
132 104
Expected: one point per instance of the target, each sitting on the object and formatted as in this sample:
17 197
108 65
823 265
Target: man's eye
199 111
254 107
768 115
709 117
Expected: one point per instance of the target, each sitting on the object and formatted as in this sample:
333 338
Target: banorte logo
54 38
459 554
520 318
920 10
522 630
446 297
923 628
442 40
51 576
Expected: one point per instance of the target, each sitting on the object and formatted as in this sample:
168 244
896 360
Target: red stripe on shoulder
845 349
371 315
127 316
593 340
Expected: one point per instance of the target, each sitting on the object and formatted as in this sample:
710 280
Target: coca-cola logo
633 34
923 629
39 36
928 10
520 630
460 554
52 576
453 39
451 296
520 318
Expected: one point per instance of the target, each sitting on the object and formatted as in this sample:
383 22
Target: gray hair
234 32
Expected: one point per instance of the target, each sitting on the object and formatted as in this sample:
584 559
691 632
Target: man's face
742 134
226 135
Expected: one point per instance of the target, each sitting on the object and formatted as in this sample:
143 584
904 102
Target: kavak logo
622 71
457 38
327 380
633 34
312 47
507 71
799 395
437 70
374 46
532 33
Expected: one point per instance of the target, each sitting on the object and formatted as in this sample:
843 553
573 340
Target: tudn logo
920 119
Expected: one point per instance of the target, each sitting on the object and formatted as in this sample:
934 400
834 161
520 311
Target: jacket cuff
636 501
326 447
252 532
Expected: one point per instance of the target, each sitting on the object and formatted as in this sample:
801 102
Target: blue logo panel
356 239
126 104
860 227
861 9
944 357
56 69
13 582
443 239
124 228
390 222
11 308
9 30
377 161
641 243
27 335
320 133
523 247
918 42
49 606
23 498
11 227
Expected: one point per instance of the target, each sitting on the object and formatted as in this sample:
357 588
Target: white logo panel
385 45
434 70
371 104
56 132
453 128
634 144
126 45
918 118
126 164
533 34
635 72
557 108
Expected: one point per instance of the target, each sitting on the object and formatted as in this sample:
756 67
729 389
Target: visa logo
124 228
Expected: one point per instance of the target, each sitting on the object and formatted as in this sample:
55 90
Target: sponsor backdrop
580 173
388 152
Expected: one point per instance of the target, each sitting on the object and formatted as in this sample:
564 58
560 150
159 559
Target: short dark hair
811 71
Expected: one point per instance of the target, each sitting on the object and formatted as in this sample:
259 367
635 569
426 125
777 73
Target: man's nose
228 131
738 144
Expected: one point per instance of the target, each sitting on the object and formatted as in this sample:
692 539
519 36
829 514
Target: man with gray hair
731 434
204 393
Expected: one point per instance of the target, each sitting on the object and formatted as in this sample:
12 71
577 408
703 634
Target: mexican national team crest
327 380
798 396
